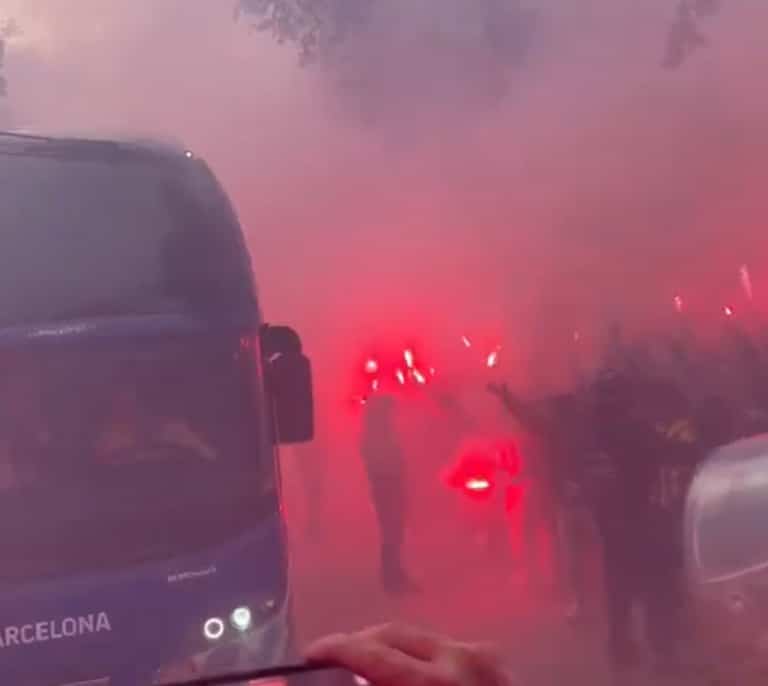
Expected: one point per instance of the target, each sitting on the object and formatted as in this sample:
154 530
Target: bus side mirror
289 382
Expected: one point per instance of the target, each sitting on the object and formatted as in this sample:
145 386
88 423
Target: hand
397 655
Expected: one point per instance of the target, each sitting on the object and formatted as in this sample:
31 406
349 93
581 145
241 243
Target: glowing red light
467 343
432 371
728 311
375 385
418 377
477 484
371 366
492 360
400 376
408 357
678 303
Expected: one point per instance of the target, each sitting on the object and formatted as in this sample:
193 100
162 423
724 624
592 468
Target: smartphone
294 675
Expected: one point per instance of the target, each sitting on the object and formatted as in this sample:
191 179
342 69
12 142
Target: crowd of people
615 454
620 450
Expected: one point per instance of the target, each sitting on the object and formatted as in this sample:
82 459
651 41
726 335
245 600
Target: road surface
466 592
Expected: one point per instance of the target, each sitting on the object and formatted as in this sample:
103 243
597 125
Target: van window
90 238
730 529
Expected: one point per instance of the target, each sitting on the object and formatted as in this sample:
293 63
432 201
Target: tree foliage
390 58
315 27
319 28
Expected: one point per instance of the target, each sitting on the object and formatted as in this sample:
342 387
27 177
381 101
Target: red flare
477 484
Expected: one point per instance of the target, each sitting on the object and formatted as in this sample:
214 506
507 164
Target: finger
318 648
413 641
376 662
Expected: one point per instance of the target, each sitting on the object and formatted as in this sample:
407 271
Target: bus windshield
109 469
85 237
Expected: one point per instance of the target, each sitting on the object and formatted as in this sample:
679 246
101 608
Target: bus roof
23 142
145 227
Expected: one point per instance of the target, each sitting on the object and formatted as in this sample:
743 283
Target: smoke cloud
588 184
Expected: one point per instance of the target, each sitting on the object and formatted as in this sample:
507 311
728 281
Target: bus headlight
241 619
213 629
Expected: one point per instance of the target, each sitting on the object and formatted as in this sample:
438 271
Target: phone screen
311 677
290 676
